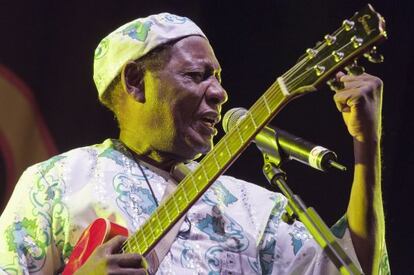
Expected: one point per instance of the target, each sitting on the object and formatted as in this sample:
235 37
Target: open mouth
207 124
210 122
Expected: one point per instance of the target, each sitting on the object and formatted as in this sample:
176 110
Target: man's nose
215 93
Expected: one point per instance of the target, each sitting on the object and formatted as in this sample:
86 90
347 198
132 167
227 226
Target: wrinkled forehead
195 51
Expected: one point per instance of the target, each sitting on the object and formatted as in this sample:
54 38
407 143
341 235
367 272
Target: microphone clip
268 145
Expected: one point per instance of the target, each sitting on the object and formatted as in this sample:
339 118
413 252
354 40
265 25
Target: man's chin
199 147
202 150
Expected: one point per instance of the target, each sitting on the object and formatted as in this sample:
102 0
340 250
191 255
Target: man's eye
196 76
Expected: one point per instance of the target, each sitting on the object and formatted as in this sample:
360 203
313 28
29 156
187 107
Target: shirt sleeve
290 248
341 232
27 245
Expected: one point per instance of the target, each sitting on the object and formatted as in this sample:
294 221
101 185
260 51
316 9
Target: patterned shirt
234 228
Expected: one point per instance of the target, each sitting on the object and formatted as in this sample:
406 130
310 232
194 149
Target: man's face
183 100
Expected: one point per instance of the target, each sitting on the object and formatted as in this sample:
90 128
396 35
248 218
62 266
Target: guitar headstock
357 35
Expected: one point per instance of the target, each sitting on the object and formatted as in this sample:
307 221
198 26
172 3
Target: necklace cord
182 234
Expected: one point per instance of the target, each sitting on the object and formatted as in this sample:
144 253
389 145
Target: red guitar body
100 231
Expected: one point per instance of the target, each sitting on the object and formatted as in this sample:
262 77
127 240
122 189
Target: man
160 77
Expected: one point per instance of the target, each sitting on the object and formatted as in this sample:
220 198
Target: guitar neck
210 168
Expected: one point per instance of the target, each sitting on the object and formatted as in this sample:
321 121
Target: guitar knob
354 69
335 85
373 56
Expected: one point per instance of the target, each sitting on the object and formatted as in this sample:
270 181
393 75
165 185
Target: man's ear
132 78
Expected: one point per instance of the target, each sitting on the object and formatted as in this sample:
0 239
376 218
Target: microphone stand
296 209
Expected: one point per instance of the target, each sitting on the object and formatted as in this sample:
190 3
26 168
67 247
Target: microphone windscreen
232 117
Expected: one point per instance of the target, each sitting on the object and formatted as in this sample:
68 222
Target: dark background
50 45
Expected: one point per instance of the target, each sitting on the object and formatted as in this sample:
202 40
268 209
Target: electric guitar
356 36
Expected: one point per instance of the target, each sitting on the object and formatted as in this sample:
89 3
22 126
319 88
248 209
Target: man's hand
107 260
360 105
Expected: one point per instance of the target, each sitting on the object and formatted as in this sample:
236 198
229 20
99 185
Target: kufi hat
134 40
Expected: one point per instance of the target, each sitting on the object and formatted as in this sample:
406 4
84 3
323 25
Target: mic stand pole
307 215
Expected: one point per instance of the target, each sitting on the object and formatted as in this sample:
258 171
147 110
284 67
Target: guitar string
318 48
126 242
295 68
155 200
324 44
300 77
134 238
272 88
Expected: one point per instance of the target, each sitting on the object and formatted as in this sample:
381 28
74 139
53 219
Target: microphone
290 146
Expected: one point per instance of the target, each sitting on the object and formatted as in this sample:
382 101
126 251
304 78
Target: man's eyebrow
204 64
207 63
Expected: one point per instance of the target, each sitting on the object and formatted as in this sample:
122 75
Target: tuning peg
311 53
330 39
334 84
348 24
373 56
354 68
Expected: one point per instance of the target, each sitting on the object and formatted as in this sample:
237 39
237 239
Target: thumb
114 245
339 74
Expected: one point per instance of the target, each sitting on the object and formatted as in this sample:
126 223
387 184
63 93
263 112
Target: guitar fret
223 158
234 145
159 227
130 245
152 233
149 238
240 134
185 195
196 179
170 208
203 167
176 206
215 160
139 243
134 246
227 147
252 120
166 212
192 189
161 214
266 104
182 198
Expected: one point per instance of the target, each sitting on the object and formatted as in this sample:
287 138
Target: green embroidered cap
135 39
